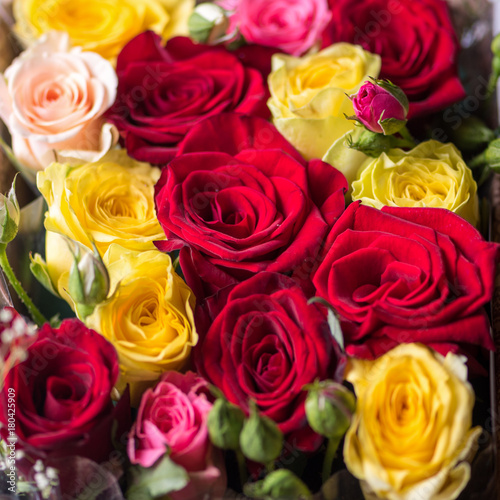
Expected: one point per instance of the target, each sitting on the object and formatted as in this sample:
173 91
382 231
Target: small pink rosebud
381 107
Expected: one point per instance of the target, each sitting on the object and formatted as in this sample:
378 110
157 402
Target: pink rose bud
381 107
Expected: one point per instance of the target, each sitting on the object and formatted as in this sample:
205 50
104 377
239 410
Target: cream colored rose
149 319
430 175
102 26
111 201
52 98
411 436
308 94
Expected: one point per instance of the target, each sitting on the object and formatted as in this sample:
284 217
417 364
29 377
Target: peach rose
52 98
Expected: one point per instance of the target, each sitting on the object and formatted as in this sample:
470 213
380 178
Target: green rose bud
373 144
329 408
208 23
260 438
88 279
492 155
280 484
10 215
495 45
225 422
472 134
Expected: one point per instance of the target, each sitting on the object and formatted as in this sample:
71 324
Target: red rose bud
381 107
329 408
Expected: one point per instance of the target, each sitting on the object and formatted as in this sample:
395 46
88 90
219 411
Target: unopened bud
88 278
260 439
492 155
225 422
329 408
472 134
381 107
10 215
280 484
495 45
208 23
373 144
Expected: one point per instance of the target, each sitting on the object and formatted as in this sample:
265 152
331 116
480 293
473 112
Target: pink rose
293 26
174 415
381 107
52 99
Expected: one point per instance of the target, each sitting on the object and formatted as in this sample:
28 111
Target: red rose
239 199
164 91
408 275
265 344
62 394
416 41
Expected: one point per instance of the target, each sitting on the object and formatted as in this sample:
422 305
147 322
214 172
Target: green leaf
392 125
333 321
38 268
152 482
334 324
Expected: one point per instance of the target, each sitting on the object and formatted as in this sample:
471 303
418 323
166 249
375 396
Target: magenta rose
408 275
292 26
238 199
416 41
164 91
379 109
62 393
173 417
265 343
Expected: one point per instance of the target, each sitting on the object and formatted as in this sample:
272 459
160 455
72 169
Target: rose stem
241 467
331 450
35 314
405 134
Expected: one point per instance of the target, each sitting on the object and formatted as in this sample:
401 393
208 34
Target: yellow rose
110 201
149 319
308 94
430 175
411 436
102 26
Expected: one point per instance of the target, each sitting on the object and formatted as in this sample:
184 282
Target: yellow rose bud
411 436
149 318
110 201
430 175
308 94
102 26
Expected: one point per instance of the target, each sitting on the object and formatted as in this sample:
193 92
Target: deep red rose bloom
239 199
265 344
416 41
408 275
164 91
62 394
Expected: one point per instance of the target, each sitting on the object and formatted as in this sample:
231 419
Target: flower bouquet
261 257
